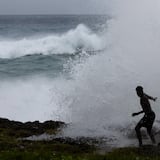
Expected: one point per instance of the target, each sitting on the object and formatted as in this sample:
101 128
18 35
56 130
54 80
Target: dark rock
19 129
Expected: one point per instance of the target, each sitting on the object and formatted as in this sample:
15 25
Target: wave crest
68 43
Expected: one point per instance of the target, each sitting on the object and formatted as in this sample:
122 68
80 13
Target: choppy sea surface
41 45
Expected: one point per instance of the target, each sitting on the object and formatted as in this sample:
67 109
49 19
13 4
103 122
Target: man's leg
150 121
138 132
150 133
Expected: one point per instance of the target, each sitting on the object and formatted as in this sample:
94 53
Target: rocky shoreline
13 144
19 129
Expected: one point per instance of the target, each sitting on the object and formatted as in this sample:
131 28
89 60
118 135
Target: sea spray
104 96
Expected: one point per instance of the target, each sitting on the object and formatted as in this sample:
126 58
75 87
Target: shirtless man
149 115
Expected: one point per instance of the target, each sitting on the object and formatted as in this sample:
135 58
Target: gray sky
53 6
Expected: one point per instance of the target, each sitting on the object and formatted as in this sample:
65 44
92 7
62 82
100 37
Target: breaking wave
79 38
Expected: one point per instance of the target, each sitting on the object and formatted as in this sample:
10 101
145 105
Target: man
149 115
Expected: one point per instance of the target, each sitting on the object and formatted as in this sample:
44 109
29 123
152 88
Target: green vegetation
118 154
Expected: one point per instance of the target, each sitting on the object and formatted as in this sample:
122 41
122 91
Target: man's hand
134 114
154 99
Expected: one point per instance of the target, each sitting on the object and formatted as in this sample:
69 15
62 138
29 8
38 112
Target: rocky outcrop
19 129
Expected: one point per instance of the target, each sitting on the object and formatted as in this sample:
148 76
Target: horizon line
52 14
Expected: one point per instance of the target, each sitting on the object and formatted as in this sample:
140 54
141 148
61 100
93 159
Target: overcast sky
53 6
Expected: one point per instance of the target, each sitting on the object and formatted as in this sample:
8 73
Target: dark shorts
147 120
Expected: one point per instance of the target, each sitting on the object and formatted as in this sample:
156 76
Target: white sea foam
68 43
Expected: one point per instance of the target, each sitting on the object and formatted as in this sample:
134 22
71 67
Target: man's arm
135 114
151 98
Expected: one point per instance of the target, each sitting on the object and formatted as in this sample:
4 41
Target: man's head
139 90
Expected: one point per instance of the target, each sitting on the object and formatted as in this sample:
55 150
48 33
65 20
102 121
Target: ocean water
82 70
36 53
